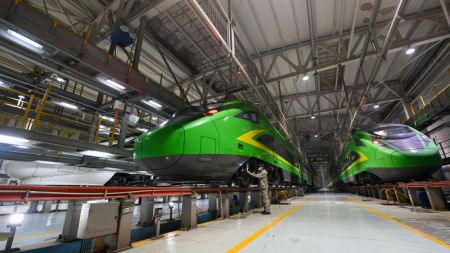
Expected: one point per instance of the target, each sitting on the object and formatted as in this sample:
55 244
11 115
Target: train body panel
215 145
390 152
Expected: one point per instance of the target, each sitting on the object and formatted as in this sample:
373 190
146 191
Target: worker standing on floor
264 186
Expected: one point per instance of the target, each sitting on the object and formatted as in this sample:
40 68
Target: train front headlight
377 142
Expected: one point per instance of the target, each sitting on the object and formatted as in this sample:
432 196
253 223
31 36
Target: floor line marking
258 233
387 217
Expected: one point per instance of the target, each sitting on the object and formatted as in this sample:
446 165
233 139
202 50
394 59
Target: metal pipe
352 32
140 39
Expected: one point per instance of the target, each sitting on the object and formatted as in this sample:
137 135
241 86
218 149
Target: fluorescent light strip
25 39
142 129
49 162
114 85
152 104
97 153
107 118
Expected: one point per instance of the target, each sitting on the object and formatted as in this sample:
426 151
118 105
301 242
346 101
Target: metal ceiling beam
354 59
307 115
346 34
381 56
199 12
76 54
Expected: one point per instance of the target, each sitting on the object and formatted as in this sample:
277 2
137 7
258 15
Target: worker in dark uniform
264 186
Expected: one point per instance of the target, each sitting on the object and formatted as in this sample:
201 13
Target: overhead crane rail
19 193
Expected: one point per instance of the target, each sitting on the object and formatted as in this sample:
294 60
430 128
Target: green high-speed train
387 153
217 143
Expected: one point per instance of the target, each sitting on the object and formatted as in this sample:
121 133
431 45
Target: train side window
359 143
250 116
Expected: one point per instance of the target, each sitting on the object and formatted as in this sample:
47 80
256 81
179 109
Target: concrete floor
43 227
325 223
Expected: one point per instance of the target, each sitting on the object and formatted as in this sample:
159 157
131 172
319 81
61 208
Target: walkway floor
316 223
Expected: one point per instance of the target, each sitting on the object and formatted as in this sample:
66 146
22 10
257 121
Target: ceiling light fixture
60 79
152 104
25 39
107 118
97 153
67 105
313 117
12 140
49 162
410 50
305 78
114 85
376 106
141 129
316 135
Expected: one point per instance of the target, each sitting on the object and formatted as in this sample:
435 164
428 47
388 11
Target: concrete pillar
212 207
301 192
123 129
146 212
374 193
413 197
47 206
232 203
33 207
189 212
291 192
436 199
256 199
243 196
224 201
71 221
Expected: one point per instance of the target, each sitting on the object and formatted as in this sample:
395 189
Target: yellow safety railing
38 114
419 104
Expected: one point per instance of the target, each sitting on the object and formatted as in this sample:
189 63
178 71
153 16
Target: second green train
387 153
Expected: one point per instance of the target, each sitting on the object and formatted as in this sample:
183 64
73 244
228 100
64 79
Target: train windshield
393 132
189 113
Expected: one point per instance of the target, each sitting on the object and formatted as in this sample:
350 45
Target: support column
93 129
413 197
189 212
301 192
47 206
232 203
71 221
243 197
212 207
123 130
146 212
33 207
436 199
123 236
224 206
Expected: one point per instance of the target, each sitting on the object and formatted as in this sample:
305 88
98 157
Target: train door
208 149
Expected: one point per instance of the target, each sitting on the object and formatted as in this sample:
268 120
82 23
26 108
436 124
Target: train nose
159 149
